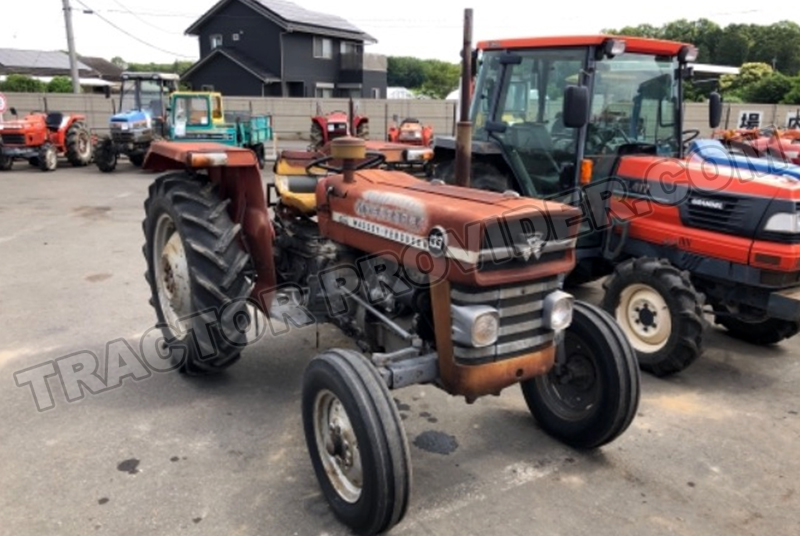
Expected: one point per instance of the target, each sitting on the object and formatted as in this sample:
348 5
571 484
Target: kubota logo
707 203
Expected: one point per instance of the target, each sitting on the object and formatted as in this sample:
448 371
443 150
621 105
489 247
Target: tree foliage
177 67
18 83
433 78
60 84
769 56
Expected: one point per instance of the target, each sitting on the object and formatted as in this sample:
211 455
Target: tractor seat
54 120
298 192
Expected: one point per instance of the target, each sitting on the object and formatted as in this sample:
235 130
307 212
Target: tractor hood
22 124
135 116
467 236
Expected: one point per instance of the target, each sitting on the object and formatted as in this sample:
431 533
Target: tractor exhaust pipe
464 128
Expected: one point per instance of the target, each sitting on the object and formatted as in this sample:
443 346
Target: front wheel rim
572 389
645 318
172 281
338 447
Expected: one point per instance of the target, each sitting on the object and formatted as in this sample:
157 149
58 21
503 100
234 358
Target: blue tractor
141 118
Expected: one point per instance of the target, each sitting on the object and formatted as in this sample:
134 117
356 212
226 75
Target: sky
421 28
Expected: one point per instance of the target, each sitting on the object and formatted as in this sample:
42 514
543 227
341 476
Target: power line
123 6
101 17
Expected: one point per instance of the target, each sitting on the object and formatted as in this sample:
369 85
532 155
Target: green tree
119 62
771 89
403 71
749 74
18 83
60 84
441 78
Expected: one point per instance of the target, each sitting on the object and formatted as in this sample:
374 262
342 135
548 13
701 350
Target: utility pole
73 60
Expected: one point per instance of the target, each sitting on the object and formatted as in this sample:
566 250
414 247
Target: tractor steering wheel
691 134
374 159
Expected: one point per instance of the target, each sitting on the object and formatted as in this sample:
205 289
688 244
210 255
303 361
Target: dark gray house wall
229 79
259 38
374 80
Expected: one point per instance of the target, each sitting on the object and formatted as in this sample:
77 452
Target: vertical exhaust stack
464 128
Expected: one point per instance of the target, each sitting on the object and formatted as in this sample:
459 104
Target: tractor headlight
783 222
477 326
124 126
331 127
558 307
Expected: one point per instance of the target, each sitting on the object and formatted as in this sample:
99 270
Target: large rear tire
105 156
763 333
659 310
591 396
199 275
356 441
317 137
79 145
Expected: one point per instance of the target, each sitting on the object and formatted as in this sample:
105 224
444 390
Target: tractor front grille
719 213
122 137
521 319
13 139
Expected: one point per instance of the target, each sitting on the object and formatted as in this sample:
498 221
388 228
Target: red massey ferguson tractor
40 138
327 127
414 272
597 122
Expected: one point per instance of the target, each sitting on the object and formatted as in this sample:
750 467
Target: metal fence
292 117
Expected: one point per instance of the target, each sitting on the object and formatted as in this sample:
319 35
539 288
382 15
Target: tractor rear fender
236 172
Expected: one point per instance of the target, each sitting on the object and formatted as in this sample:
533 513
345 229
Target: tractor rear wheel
136 159
105 156
79 145
763 333
199 275
659 310
362 131
48 157
356 441
591 395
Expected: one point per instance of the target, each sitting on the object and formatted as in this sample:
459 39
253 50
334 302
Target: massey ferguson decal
394 209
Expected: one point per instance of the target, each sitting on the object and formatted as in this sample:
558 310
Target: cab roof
640 45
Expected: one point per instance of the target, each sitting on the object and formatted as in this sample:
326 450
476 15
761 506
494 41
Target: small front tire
48 158
6 163
356 441
591 395
762 333
105 156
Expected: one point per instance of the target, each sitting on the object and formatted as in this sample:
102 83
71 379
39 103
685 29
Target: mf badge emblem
437 242
533 246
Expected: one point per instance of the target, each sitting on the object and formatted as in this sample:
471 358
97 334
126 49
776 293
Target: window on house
324 92
323 48
235 37
376 93
348 48
216 41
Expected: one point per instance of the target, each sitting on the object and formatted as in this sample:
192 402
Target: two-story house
275 48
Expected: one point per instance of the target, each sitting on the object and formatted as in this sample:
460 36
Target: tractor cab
142 109
194 114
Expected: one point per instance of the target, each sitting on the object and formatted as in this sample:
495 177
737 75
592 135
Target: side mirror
575 113
13 111
107 91
714 110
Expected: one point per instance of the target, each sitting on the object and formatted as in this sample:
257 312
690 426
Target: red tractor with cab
40 138
597 122
337 124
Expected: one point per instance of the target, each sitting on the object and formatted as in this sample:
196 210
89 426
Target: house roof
102 66
245 62
293 18
12 58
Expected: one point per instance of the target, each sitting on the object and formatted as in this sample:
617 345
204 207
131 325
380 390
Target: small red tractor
40 138
415 272
598 122
337 124
410 131
783 145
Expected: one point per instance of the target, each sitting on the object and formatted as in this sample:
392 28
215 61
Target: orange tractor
410 131
40 138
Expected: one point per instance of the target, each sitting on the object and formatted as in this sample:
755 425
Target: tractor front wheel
79 145
198 272
659 310
136 159
48 157
356 441
762 332
6 163
591 395
105 156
